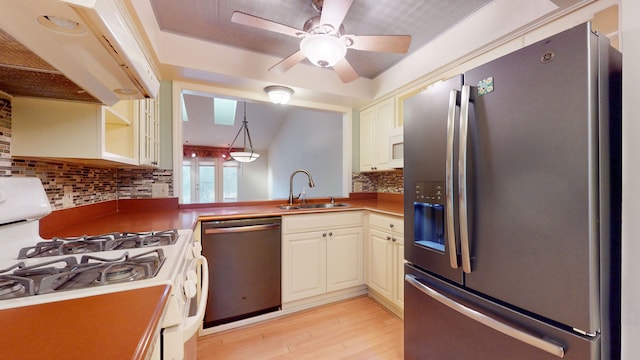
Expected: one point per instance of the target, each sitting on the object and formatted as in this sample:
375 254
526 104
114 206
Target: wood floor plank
357 328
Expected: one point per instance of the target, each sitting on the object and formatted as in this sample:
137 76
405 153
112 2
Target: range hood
82 50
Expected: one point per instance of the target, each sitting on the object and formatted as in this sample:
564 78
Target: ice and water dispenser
429 214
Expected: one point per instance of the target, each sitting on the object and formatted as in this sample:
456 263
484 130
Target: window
230 180
203 182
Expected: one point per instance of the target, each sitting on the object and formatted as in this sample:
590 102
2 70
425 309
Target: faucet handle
333 199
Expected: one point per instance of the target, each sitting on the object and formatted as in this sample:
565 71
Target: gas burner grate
69 274
106 242
155 238
12 286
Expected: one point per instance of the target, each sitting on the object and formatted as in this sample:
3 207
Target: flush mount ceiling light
278 94
244 155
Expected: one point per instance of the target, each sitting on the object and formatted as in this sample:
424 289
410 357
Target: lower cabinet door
304 262
381 263
345 258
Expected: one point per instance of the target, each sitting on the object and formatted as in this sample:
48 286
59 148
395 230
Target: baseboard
393 308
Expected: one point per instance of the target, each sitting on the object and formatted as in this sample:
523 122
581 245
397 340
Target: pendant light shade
246 155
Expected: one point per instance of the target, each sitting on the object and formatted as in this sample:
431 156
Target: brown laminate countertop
163 214
118 325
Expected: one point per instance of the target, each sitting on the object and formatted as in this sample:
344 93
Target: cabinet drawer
386 222
311 222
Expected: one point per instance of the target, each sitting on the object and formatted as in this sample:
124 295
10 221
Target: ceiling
210 20
196 42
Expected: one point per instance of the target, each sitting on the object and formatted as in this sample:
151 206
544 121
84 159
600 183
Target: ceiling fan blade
260 23
288 62
334 11
345 71
383 43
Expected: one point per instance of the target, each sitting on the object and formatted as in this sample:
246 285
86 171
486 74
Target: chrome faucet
311 183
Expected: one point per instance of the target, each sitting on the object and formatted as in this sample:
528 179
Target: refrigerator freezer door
464 326
428 174
534 162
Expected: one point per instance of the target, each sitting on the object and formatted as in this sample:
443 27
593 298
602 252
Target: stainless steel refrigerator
512 206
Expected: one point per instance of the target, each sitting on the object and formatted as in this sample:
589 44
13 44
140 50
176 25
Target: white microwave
396 151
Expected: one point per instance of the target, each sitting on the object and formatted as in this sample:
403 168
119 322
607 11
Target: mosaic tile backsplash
382 181
88 185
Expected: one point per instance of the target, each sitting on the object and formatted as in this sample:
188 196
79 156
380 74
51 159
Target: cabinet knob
324 234
388 238
393 239
330 233
391 226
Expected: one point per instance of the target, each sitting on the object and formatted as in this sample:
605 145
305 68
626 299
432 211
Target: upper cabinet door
375 125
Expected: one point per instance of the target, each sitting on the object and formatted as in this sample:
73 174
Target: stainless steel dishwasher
244 268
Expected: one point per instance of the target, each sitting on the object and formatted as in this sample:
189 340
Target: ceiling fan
323 41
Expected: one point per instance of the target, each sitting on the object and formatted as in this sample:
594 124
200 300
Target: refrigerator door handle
449 203
462 179
533 340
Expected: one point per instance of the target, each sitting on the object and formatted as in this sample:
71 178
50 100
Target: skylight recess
224 111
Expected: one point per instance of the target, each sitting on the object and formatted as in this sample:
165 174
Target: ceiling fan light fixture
279 94
323 50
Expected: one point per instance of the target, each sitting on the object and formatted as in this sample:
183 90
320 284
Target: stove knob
192 275
190 288
197 249
190 284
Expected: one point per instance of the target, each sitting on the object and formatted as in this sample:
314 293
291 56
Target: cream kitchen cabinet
76 132
385 265
149 122
321 253
376 123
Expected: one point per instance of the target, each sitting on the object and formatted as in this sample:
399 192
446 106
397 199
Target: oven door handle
192 324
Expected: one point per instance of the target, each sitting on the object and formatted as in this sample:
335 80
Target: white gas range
36 271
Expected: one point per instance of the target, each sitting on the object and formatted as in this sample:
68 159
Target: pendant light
244 155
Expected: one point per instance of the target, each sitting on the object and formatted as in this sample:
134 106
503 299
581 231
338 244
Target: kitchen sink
322 205
289 207
314 206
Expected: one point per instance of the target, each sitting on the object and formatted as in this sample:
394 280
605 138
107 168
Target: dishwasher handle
238 229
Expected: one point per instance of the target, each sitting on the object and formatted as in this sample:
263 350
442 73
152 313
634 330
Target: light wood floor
358 328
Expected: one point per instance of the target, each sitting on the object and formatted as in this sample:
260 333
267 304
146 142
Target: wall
87 185
320 155
252 183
